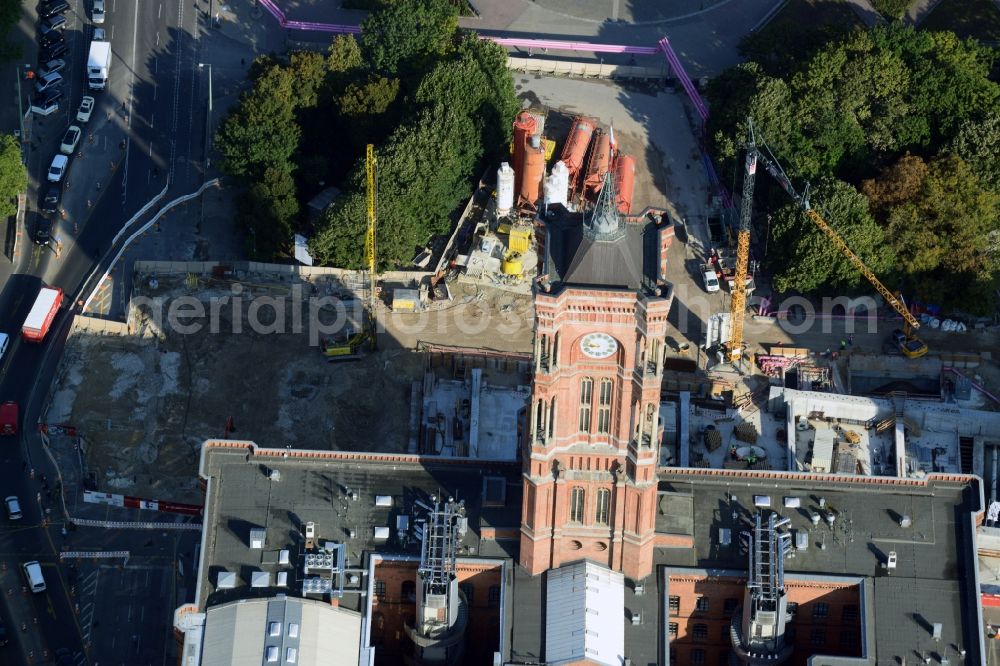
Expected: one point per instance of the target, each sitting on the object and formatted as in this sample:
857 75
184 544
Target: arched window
586 400
604 407
603 506
576 502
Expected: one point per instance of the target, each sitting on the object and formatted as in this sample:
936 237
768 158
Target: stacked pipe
575 149
624 182
600 160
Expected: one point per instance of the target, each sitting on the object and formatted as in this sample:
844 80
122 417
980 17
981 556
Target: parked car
54 65
100 35
43 231
52 199
57 50
48 81
97 13
70 139
52 8
52 37
52 24
86 108
13 508
46 103
58 168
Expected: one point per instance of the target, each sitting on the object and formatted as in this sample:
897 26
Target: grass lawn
966 18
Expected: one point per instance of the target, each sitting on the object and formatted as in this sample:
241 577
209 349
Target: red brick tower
592 447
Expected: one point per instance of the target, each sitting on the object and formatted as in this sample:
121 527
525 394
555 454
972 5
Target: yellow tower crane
910 345
370 237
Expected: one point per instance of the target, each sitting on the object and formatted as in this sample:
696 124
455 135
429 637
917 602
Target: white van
4 341
711 280
33 574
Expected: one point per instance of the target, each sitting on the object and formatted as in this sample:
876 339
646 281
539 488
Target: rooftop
363 502
934 578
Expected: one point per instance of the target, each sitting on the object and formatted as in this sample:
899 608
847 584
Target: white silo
557 184
505 189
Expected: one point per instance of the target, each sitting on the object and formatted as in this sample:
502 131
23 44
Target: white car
58 168
711 281
70 139
86 108
13 508
100 35
97 15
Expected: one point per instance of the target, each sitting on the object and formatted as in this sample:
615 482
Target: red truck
8 418
42 313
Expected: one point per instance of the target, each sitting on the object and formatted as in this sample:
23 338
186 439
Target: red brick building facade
593 422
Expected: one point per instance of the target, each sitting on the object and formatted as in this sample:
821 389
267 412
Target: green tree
476 83
309 71
370 110
896 185
802 257
10 14
268 211
978 143
343 54
946 228
892 9
407 37
261 132
13 175
424 171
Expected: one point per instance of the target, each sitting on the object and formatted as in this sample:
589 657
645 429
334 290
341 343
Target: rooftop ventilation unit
381 533
383 500
257 538
725 536
762 501
318 562
640 589
636 618
226 580
792 502
904 521
283 557
260 579
801 540
316 585
274 475
282 579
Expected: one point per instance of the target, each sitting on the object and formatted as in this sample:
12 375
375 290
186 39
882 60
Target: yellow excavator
346 346
905 340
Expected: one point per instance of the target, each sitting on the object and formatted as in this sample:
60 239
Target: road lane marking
159 11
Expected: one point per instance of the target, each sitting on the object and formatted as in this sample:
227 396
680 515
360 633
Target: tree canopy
434 100
13 175
905 117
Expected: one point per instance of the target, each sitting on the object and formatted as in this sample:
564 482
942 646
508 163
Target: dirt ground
144 406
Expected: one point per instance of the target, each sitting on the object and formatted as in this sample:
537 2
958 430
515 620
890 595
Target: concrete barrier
589 70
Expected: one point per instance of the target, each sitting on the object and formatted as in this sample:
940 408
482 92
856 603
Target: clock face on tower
598 345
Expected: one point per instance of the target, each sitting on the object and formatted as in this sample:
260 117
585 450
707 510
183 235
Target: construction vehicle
346 346
912 347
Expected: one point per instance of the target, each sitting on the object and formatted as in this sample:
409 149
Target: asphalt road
156 100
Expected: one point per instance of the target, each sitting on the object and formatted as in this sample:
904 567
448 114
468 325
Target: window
604 407
494 597
729 607
586 399
273 628
697 656
576 505
409 591
817 638
724 633
850 614
820 611
291 655
380 589
699 632
468 591
293 629
672 627
701 605
675 605
848 640
603 506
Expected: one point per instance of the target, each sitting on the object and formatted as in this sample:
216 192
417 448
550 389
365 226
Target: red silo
524 127
624 182
575 148
600 158
533 171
